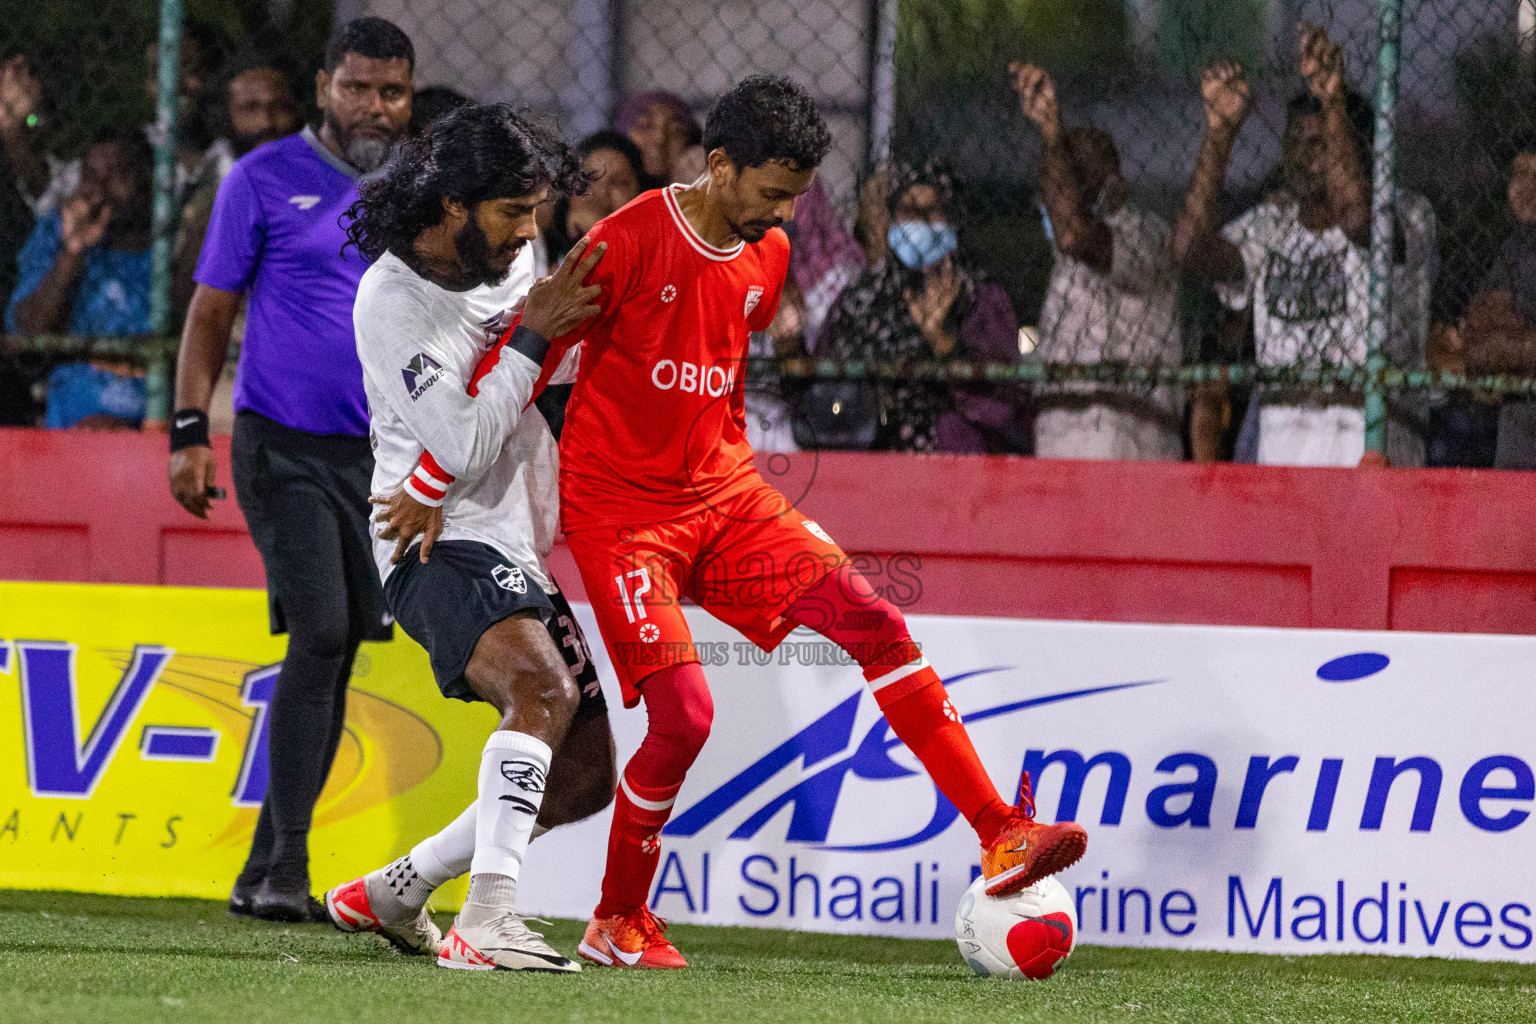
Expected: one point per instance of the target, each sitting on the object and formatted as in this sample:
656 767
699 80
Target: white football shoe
363 905
502 943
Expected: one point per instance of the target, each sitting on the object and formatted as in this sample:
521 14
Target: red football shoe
1026 851
635 939
352 909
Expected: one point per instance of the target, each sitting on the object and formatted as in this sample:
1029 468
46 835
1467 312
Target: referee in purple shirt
301 457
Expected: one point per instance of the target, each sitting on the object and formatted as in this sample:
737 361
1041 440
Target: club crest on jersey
754 296
669 293
421 373
493 327
510 577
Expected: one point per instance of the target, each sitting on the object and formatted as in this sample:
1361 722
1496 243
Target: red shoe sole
1057 854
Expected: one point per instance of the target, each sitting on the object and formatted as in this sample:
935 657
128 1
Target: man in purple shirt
301 457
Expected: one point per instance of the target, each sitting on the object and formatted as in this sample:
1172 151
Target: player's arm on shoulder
409 364
611 273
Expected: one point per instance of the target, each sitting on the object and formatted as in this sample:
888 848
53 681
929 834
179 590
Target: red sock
907 689
634 846
680 710
929 725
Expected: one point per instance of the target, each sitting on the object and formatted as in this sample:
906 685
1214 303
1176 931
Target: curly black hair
768 117
475 153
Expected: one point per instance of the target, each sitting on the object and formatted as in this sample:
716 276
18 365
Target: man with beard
447 226
258 107
300 454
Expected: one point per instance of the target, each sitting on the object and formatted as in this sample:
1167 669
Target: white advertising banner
1255 790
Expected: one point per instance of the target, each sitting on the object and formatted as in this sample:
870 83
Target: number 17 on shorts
633 586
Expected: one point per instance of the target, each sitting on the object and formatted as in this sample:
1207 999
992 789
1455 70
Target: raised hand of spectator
1322 63
85 217
1225 93
930 305
20 93
1037 97
873 224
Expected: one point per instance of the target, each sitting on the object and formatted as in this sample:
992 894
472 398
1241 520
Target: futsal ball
1023 935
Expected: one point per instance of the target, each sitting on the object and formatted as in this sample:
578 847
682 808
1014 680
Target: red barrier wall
1437 550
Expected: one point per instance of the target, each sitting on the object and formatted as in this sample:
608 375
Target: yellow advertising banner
134 756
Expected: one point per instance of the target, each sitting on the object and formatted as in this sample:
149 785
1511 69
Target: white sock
513 769
433 861
447 855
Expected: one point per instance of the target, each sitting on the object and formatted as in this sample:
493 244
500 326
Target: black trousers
305 499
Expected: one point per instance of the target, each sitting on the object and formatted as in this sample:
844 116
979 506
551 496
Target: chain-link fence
1184 269
103 190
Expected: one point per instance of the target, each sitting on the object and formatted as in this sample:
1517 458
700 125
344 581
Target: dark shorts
466 588
305 499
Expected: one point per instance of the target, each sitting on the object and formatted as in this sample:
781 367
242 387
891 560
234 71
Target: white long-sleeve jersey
420 345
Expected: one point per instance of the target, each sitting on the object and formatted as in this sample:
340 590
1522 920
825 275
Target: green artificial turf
67 957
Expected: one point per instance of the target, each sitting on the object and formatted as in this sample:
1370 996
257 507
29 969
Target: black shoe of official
276 901
240 899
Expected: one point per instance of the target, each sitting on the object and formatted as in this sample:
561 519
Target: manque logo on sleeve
420 374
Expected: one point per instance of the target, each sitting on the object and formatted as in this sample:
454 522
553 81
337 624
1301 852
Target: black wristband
530 343
189 429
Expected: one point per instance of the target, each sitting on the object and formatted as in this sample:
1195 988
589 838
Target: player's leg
633 579
679 712
391 900
800 577
1016 851
517 670
581 777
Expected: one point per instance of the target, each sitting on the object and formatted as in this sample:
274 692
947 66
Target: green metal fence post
169 82
1383 218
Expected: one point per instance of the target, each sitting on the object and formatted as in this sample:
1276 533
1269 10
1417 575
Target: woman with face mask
922 303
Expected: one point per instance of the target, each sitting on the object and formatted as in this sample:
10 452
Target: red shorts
745 560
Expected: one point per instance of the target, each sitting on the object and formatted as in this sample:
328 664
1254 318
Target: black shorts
466 588
305 500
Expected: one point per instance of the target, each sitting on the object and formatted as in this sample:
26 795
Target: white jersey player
448 368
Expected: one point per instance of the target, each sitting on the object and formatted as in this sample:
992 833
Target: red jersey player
660 501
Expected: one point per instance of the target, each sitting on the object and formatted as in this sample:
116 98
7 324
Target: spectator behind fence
616 165
824 259
1300 260
85 270
663 126
257 105
922 303
27 128
1111 298
199 153
1499 333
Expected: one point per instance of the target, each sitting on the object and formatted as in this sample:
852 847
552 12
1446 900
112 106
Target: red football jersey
656 425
